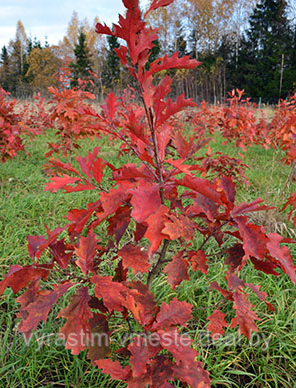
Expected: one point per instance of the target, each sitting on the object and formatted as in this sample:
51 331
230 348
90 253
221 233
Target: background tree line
245 44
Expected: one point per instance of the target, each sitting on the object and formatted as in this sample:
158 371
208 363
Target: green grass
25 207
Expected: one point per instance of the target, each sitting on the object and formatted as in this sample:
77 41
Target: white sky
50 18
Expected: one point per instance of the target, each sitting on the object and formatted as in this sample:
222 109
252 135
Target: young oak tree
164 205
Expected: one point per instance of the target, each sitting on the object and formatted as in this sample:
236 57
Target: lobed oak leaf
114 369
179 227
25 299
61 252
156 223
79 217
217 322
60 182
254 238
177 270
261 295
34 243
145 201
157 4
76 329
111 105
51 238
38 309
141 303
18 277
198 261
134 257
113 293
193 374
245 208
173 314
162 371
201 186
99 343
139 356
282 254
245 317
86 252
265 266
119 222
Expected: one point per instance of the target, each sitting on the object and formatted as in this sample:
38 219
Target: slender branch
211 235
149 115
157 268
134 151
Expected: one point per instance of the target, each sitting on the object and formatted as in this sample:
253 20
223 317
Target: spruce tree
111 69
82 67
266 52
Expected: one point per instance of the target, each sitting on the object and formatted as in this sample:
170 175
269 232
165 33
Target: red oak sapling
164 205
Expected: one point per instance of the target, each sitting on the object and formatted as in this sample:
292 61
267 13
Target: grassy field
268 360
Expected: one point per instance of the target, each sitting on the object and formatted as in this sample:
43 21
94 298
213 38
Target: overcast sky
50 18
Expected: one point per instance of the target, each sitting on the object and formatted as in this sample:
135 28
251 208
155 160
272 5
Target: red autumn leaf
111 292
201 186
139 356
134 257
76 327
119 222
141 303
282 254
61 252
110 105
112 200
254 239
173 62
156 4
177 270
217 322
235 257
38 309
18 277
114 369
60 182
265 266
79 217
145 201
51 238
34 243
179 227
86 252
193 374
156 223
261 295
245 317
198 261
98 344
245 208
25 299
186 369
172 314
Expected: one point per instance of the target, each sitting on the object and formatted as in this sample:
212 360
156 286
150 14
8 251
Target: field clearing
269 360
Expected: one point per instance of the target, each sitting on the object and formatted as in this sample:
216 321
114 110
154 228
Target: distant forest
245 44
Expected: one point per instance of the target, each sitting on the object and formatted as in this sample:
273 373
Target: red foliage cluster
283 128
35 116
10 130
238 122
164 205
67 108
